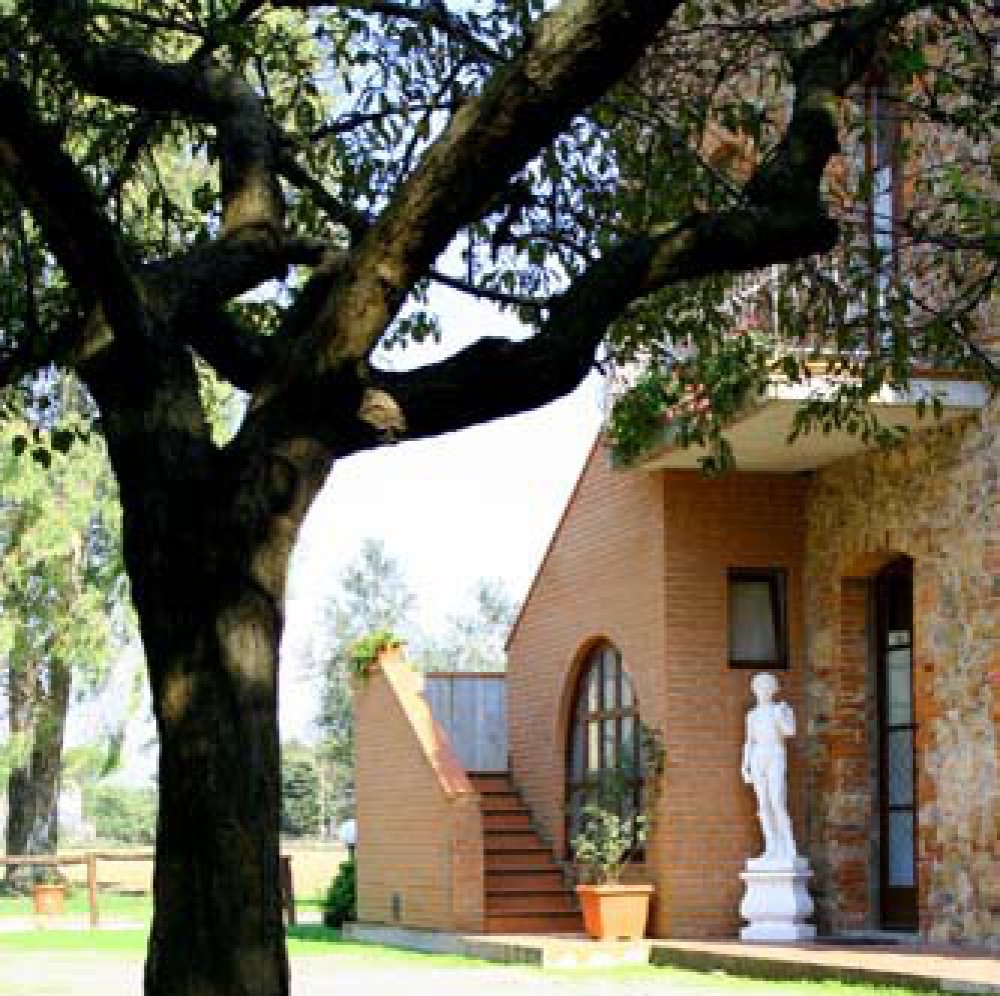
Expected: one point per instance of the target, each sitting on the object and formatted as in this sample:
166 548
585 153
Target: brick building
867 580
868 584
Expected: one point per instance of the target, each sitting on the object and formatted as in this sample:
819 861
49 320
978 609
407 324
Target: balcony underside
759 434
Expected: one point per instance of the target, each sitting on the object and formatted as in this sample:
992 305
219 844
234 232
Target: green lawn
110 904
304 940
114 905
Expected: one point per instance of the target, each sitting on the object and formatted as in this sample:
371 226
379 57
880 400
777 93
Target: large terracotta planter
49 900
615 912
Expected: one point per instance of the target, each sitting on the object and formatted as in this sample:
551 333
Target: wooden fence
91 859
472 709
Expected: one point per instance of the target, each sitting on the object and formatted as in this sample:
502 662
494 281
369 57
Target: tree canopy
259 193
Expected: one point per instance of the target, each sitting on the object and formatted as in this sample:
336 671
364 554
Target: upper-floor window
758 618
604 752
882 159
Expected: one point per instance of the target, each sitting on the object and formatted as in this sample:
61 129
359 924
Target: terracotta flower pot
615 912
49 900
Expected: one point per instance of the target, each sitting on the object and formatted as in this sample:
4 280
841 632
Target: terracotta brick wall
641 559
601 579
842 814
708 825
419 822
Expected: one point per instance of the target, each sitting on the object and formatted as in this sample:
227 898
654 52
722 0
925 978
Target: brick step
493 801
491 788
491 781
516 838
538 922
524 877
529 901
509 857
506 819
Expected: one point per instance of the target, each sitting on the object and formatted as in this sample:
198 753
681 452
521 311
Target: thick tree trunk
37 712
218 928
207 535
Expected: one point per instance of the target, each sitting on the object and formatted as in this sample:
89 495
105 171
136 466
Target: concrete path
64 974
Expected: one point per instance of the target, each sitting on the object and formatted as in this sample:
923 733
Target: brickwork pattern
641 559
420 838
937 500
709 821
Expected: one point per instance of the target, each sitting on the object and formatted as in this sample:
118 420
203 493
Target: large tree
162 160
63 604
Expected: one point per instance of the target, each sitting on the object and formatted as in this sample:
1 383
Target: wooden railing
91 859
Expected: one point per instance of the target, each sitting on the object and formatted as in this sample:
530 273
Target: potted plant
48 893
605 844
612 910
380 647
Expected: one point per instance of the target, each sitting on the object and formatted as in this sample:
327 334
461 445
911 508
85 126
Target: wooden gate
472 709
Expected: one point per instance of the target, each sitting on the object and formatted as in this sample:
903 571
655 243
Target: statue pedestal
776 903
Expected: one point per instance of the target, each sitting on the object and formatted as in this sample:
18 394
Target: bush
123 814
341 903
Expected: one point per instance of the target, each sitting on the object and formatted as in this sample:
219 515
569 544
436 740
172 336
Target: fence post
92 888
287 888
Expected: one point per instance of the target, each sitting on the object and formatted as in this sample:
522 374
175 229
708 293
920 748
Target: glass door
897 788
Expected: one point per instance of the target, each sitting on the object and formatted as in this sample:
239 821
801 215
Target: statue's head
764 685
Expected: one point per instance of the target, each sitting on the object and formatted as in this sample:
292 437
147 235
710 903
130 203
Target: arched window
604 752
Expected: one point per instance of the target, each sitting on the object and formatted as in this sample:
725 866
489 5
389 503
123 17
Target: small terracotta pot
615 912
49 900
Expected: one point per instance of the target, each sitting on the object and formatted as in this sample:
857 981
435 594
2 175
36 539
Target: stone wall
937 500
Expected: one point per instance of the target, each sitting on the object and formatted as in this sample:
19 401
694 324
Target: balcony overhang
759 434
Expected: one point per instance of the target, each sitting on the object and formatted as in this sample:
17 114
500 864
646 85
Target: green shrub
123 814
341 902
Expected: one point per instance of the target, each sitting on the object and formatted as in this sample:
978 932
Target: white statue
764 767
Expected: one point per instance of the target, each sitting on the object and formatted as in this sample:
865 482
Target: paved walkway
949 969
66 974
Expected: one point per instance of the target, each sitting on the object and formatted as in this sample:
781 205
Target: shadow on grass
314 933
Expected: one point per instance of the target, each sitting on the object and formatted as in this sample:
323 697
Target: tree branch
575 53
782 221
198 89
65 207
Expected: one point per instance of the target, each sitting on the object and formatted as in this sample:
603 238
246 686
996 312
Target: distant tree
122 814
63 599
373 594
475 638
300 792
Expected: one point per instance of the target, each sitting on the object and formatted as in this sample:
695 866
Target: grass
116 905
303 940
109 904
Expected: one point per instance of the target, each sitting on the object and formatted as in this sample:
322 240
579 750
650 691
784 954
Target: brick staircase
525 890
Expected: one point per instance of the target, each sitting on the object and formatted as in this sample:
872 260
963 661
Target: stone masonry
937 500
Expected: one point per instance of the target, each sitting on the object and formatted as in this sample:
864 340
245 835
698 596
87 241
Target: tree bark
217 928
37 711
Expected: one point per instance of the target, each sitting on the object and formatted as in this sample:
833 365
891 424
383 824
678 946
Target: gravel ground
64 974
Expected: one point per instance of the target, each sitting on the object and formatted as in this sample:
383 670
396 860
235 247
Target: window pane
628 696
593 747
901 870
899 694
628 750
900 767
752 627
610 745
594 686
576 751
611 667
